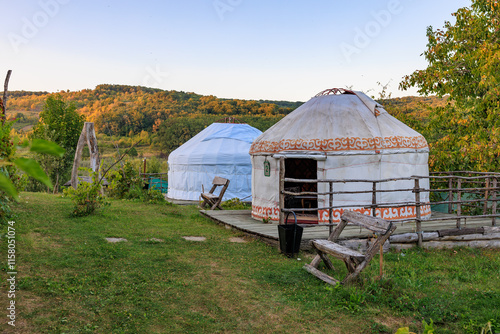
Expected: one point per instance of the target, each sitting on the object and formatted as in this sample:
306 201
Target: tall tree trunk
56 186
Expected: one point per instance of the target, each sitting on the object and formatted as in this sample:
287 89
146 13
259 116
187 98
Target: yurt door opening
302 169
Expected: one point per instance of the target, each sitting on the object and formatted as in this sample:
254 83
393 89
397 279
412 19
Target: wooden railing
464 194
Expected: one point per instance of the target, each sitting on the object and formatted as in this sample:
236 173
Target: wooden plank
321 275
336 250
453 244
461 231
374 224
471 237
219 181
491 229
413 237
208 195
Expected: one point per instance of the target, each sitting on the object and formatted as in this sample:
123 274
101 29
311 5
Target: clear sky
248 49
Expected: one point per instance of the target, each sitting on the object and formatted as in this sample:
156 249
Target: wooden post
450 195
374 199
417 212
486 195
330 209
381 261
459 200
282 188
87 136
3 101
144 161
494 200
93 148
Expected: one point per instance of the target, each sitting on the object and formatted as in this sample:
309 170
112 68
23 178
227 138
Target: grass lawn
71 280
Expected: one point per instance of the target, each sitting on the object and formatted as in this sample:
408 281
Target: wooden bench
212 199
354 261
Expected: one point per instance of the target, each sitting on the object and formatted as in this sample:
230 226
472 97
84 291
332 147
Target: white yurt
221 150
339 135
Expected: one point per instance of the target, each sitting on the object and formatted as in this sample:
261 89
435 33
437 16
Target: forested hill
121 110
174 116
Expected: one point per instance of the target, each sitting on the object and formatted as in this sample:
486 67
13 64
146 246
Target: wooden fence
464 195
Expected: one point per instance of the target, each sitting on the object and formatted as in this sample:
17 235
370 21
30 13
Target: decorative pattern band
406 212
339 144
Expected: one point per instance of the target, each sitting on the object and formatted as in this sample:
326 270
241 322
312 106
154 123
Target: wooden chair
354 261
212 199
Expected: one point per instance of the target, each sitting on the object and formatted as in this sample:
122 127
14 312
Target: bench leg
326 260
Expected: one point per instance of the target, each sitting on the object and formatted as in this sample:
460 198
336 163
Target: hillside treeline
167 119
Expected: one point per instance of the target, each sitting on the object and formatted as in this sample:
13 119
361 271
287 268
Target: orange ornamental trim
260 212
339 144
406 212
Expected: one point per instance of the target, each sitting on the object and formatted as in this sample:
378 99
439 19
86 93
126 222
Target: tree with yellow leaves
464 63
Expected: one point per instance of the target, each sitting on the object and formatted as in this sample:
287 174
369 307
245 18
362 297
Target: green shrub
153 165
87 197
235 204
153 196
127 184
132 152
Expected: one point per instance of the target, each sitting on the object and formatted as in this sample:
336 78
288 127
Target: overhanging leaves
47 147
33 169
7 186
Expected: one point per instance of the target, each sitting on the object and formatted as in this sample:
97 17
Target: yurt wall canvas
221 150
349 136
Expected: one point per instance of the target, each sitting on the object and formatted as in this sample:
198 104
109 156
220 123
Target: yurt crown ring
334 91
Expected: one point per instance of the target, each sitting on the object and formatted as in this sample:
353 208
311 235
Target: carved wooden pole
282 188
418 215
486 195
459 200
494 200
450 195
374 199
87 136
330 209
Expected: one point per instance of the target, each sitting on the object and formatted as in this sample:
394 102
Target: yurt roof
219 143
339 121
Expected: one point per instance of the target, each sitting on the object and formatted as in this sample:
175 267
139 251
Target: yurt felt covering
351 137
221 150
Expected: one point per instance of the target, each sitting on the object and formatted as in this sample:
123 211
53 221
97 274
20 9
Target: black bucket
290 236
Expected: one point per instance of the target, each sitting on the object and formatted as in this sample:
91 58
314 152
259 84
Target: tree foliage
464 63
59 122
165 119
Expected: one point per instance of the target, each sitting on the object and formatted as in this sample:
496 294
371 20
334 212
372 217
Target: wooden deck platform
242 220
